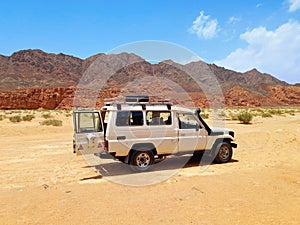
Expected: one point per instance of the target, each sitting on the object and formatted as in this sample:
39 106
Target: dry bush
245 117
15 119
28 117
52 122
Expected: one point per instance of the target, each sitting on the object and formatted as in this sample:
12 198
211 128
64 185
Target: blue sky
239 35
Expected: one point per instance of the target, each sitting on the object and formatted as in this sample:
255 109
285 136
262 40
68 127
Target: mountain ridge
32 72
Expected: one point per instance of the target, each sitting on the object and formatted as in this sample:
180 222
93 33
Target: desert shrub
245 117
68 114
291 112
15 119
266 114
52 122
277 112
47 116
28 117
2 117
204 115
259 110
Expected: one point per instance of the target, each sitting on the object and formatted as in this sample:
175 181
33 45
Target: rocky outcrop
35 98
287 95
53 98
238 96
276 96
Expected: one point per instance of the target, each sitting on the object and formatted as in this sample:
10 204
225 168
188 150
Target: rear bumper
106 155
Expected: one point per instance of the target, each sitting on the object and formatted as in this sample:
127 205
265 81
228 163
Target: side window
159 118
130 118
187 121
88 122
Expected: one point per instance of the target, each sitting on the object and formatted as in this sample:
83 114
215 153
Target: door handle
119 138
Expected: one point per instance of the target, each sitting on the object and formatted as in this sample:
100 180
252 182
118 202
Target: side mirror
197 127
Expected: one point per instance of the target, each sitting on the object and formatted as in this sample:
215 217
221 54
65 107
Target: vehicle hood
219 130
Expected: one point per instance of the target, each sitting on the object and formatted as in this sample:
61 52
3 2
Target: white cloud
259 5
233 20
276 52
294 5
204 27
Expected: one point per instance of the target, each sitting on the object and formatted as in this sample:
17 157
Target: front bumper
234 145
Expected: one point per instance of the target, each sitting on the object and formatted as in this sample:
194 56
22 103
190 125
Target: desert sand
42 182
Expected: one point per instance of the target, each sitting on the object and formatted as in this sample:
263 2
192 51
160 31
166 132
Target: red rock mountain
35 79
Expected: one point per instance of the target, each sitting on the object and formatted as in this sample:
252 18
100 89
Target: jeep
138 131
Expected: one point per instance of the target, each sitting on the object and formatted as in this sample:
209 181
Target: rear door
88 132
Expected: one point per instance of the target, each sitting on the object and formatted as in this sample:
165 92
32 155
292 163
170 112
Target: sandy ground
42 182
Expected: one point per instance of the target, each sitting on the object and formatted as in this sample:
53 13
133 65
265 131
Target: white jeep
137 132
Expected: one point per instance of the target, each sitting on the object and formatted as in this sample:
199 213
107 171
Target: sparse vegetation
291 112
28 117
277 112
266 115
52 122
15 119
46 115
68 114
16 111
204 115
2 117
245 117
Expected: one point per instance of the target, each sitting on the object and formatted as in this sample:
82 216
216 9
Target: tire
141 160
224 153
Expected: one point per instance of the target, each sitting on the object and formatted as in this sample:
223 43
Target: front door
191 134
88 132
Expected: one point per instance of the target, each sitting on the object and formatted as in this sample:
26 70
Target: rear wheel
142 160
224 153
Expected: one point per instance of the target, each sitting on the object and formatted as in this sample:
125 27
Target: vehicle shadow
172 164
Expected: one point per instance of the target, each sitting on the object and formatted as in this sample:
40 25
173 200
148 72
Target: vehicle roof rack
137 100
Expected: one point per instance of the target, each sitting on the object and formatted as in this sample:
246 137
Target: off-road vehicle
137 131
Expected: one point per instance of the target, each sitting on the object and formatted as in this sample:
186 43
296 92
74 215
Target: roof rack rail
136 100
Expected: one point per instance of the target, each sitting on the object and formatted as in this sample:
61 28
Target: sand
42 182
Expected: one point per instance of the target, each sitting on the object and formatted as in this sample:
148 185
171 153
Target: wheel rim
224 152
143 160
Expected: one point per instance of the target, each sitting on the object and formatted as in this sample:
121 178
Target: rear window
158 118
130 118
88 122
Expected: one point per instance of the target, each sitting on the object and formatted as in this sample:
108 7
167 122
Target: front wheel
142 160
224 153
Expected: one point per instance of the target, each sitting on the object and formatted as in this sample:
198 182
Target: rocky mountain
35 79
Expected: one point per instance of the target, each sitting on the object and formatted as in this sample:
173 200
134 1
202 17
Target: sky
238 35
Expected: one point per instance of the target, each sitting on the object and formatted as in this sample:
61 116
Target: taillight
106 146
